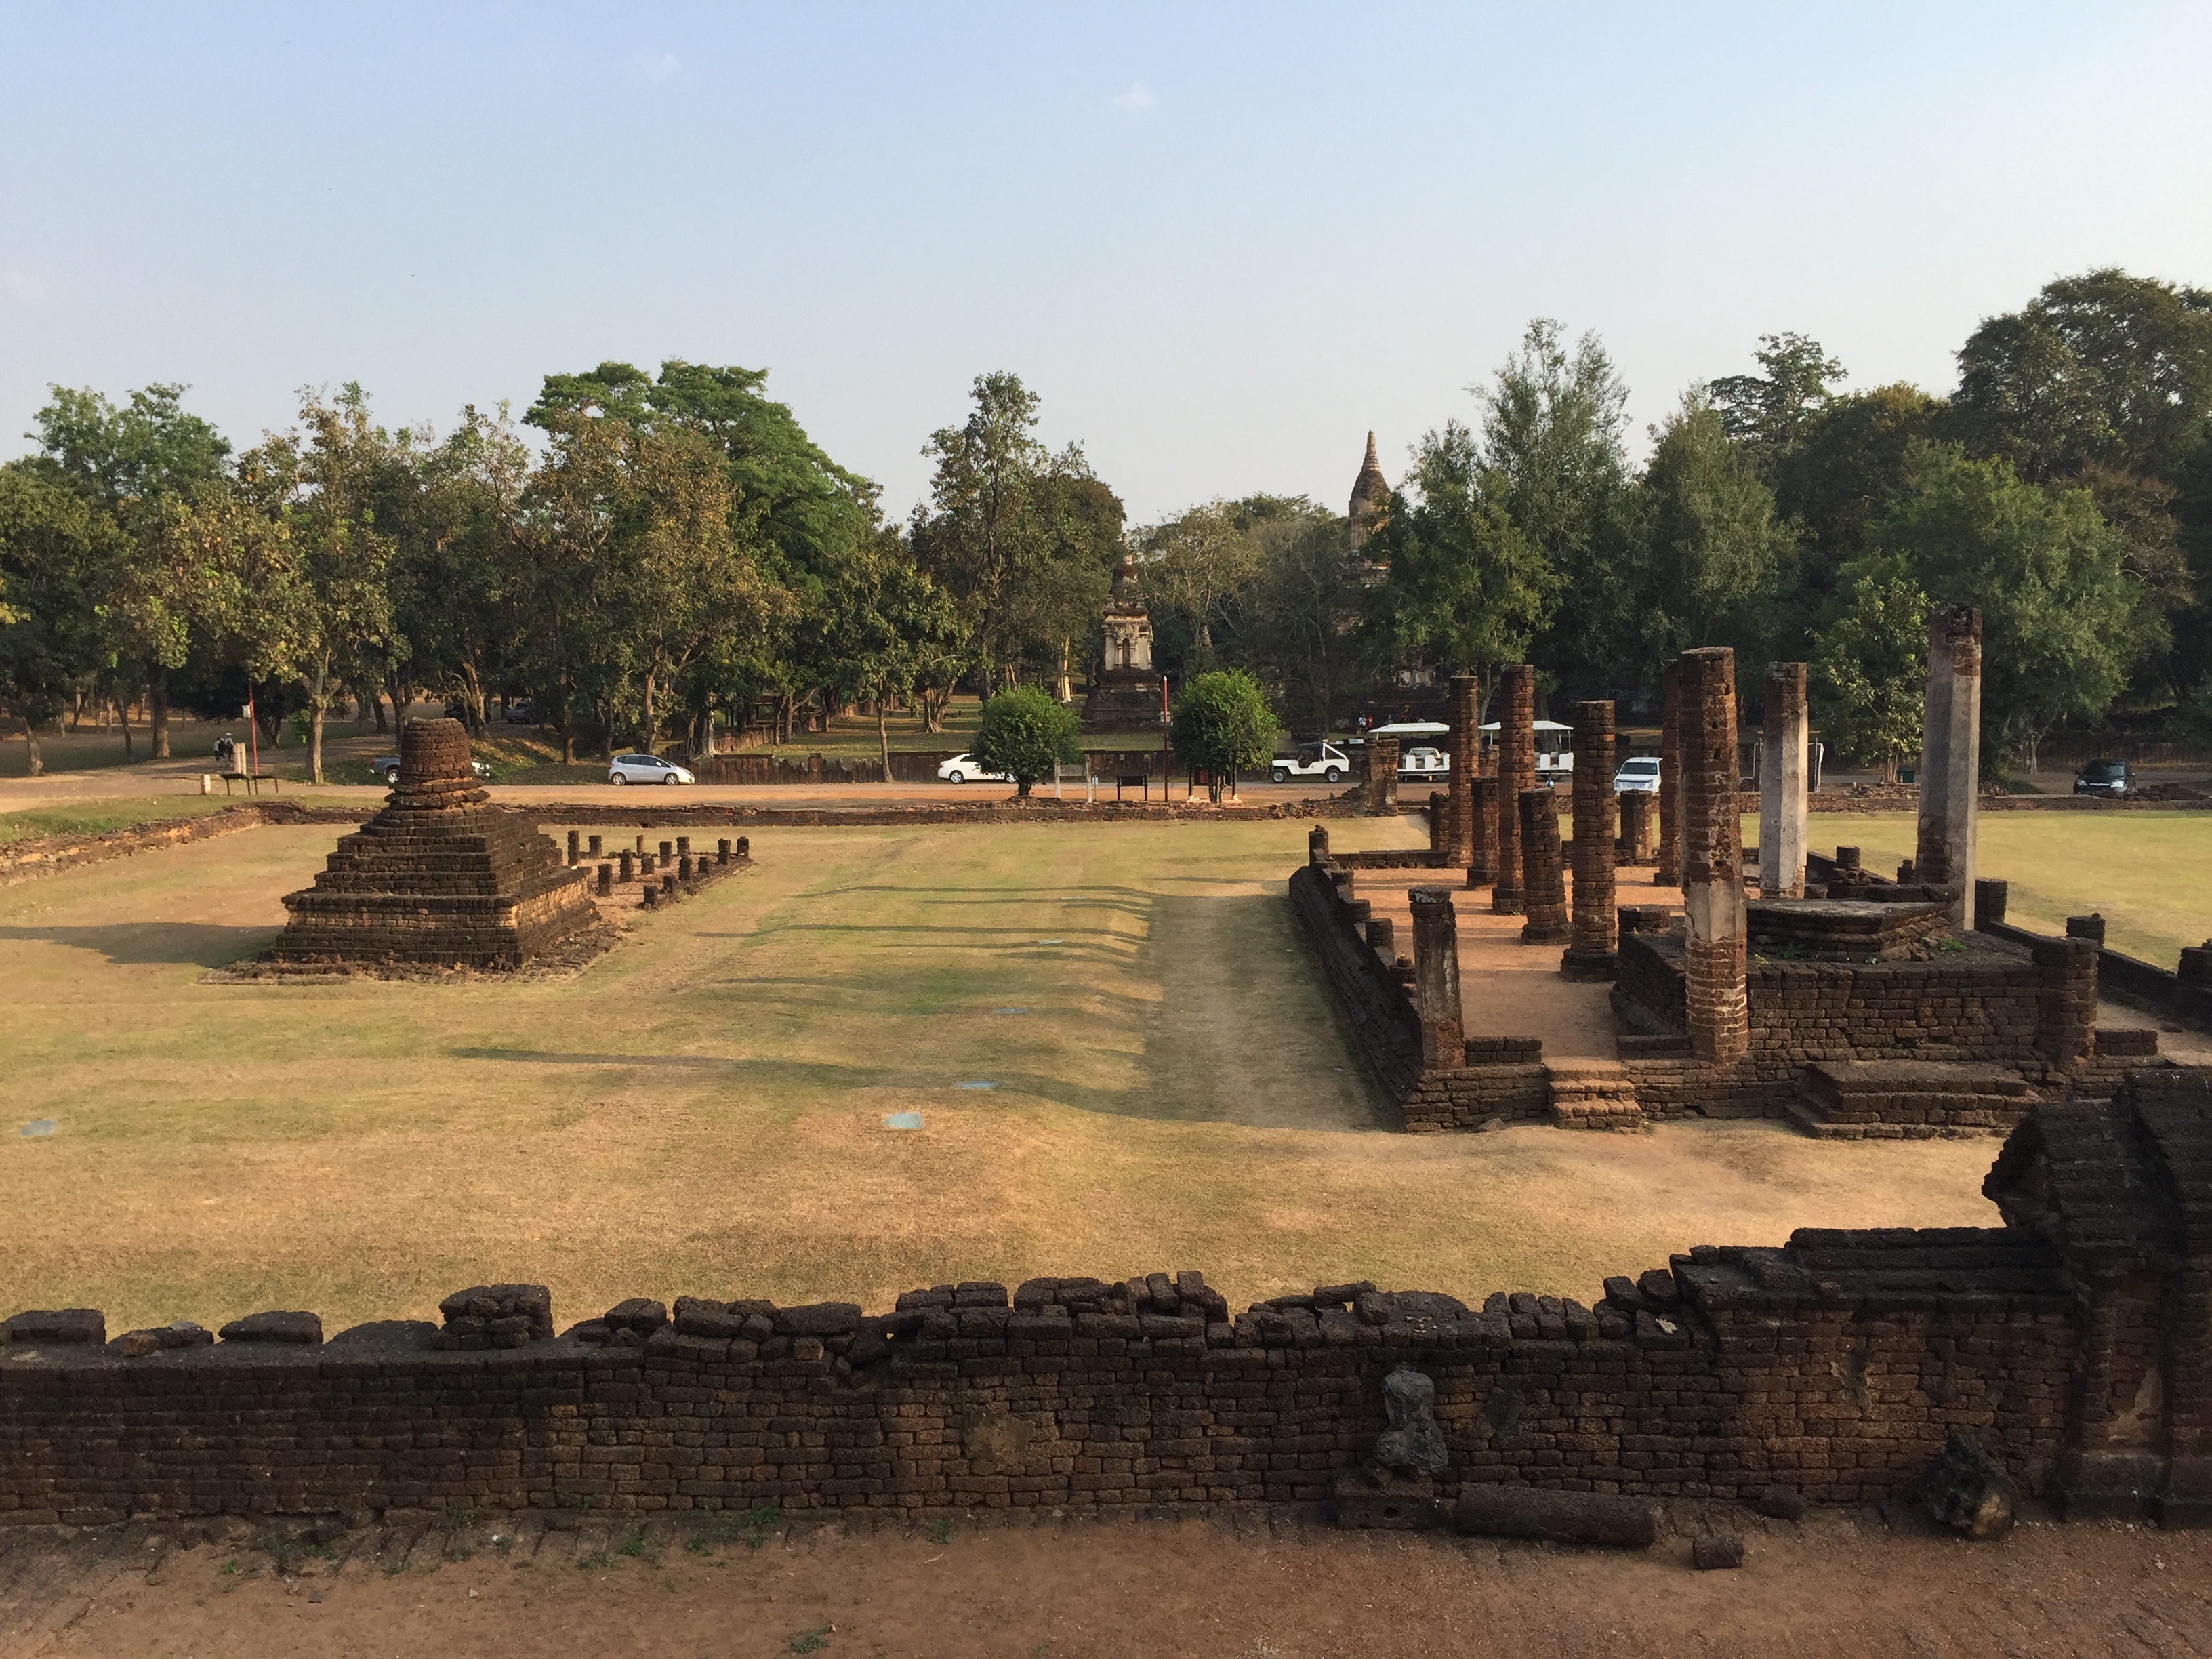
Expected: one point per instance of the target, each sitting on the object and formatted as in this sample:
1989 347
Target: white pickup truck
1333 761
1326 761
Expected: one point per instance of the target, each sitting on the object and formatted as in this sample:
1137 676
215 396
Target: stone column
1465 719
1544 892
1782 755
1382 938
1670 872
593 844
1482 812
1636 826
1435 977
1317 844
629 866
1440 825
1382 775
722 850
606 879
1591 955
1951 755
1712 855
575 847
1516 771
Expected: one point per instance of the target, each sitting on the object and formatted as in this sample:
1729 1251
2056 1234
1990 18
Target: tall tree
1715 561
998 522
1465 591
2062 623
887 624
1843 471
54 546
1302 611
1768 413
126 461
1869 661
1552 424
1195 565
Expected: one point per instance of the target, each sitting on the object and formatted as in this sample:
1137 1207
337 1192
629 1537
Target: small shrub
811 1641
1223 726
1023 733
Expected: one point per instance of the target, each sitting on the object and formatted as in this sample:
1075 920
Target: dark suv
2104 777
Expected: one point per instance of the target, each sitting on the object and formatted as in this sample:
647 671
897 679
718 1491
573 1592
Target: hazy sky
1221 241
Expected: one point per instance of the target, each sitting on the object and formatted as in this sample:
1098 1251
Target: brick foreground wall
1839 1364
2071 1342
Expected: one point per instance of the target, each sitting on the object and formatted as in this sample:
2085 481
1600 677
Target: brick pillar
722 850
1439 824
1670 872
1591 955
1516 771
1435 977
1482 813
593 844
1544 889
744 847
1381 790
1317 845
1782 755
629 865
1712 855
1991 898
606 879
1951 755
1465 718
1636 845
2066 1000
575 847
1382 938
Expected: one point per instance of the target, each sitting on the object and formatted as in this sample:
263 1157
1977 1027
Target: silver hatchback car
647 768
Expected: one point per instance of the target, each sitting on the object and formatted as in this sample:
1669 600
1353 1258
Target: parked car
2104 777
646 768
1327 760
522 711
1638 773
389 765
1422 765
966 768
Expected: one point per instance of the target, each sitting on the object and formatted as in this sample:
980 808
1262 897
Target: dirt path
1840 1583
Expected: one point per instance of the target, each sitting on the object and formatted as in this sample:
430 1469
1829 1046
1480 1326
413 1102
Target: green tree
1552 424
1299 617
1869 661
1223 726
1768 413
1021 537
54 547
1025 733
1844 470
2062 623
1714 559
1465 590
887 624
125 462
1195 566
2104 367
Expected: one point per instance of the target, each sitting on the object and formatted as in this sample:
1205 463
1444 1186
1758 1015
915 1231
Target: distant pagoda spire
1370 498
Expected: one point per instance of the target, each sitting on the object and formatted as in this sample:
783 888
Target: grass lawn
98 817
2149 873
703 1110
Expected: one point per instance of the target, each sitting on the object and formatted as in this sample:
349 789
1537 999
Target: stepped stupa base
440 878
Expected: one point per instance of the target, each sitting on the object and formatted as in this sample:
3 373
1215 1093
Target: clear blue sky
1221 241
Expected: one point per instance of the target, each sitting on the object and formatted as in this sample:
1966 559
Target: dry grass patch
703 1110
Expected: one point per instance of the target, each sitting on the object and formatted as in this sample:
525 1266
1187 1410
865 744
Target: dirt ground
1251 1586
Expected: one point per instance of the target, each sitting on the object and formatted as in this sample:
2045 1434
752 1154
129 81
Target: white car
647 768
1639 774
1325 761
963 767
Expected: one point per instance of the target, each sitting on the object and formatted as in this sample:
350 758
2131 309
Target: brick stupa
439 876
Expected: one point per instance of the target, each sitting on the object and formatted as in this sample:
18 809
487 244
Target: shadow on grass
204 944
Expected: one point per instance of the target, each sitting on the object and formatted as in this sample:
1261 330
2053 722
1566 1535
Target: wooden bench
1133 781
252 781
